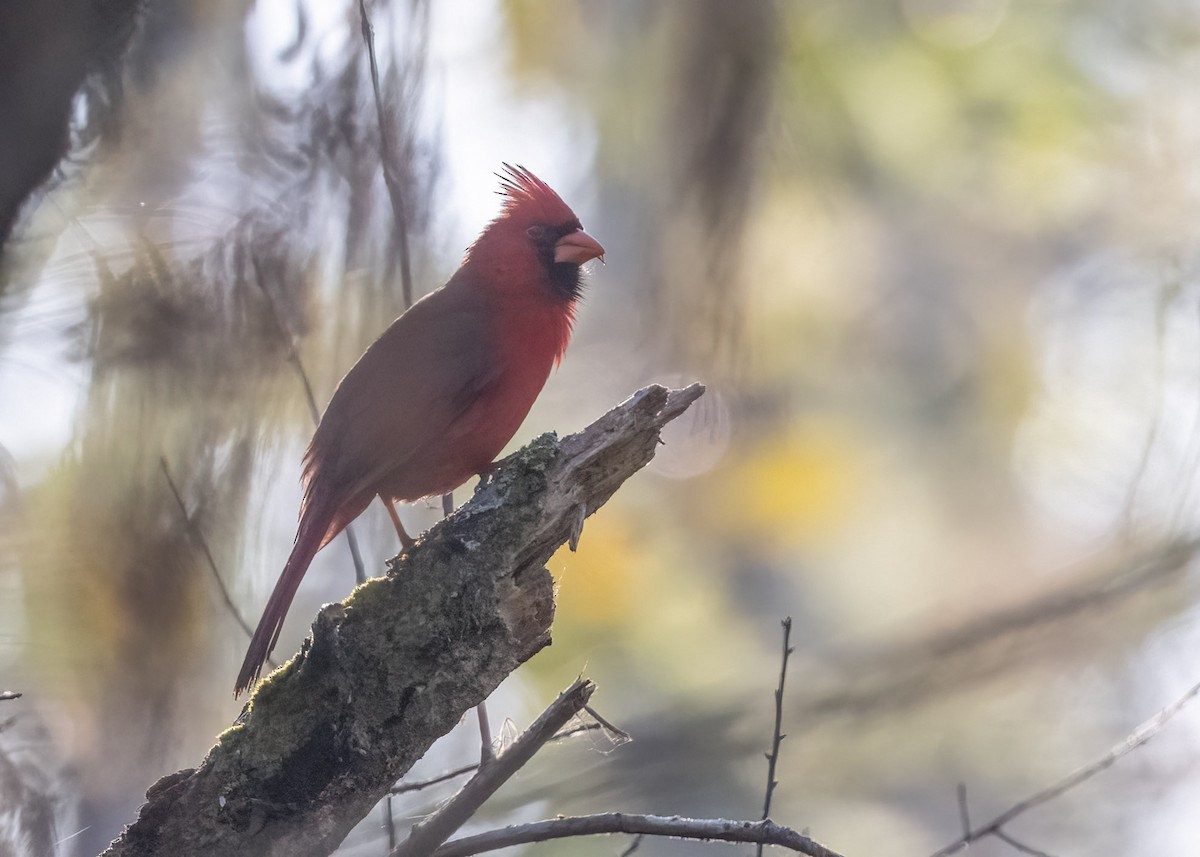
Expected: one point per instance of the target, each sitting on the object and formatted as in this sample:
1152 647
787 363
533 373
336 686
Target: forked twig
1020 846
431 832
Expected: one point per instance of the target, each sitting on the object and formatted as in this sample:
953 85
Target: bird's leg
447 504
406 540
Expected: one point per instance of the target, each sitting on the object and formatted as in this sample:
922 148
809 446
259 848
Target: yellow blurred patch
594 582
543 36
794 489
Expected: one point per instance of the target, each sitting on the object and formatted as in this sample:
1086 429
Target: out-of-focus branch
10 694
1136 739
905 672
703 829
202 543
398 663
387 157
431 832
49 48
360 568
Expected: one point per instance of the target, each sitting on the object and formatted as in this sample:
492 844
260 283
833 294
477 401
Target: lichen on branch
396 665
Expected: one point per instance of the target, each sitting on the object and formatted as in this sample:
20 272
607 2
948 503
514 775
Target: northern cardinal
435 398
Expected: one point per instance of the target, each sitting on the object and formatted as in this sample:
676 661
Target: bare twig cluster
996 826
428 837
431 832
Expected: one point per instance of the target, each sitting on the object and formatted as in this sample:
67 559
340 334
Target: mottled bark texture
396 665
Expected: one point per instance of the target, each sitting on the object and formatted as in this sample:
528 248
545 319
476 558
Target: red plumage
435 398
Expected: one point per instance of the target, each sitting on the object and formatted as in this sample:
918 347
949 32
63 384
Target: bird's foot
487 474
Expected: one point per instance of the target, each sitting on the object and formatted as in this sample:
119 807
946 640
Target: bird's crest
527 196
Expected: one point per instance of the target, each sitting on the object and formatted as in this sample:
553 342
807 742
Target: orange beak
577 247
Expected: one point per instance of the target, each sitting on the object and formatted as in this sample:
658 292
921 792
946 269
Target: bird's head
536 237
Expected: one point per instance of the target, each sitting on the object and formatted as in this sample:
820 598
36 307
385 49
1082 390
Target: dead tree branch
395 666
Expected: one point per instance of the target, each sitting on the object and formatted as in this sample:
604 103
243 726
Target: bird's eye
537 233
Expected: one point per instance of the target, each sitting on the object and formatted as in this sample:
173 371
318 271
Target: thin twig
704 829
404 788
1147 730
964 812
293 356
1020 846
360 570
634 845
777 735
616 732
387 159
198 537
389 823
428 834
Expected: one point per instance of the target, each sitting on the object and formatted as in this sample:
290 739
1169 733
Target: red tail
311 536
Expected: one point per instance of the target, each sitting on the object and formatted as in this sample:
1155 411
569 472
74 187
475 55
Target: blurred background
936 261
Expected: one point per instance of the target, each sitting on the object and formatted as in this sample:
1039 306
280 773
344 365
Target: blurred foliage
935 260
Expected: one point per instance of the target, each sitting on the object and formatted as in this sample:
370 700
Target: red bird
434 399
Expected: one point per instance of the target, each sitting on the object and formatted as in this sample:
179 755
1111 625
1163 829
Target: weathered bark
397 664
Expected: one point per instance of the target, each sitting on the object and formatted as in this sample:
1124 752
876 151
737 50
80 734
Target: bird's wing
407 390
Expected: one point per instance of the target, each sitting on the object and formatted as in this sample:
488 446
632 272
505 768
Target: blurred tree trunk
47 49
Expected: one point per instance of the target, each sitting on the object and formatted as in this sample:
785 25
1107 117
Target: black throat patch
566 279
